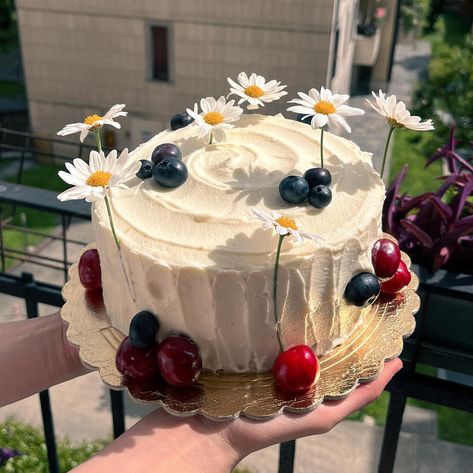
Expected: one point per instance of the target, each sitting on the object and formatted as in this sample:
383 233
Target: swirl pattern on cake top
199 260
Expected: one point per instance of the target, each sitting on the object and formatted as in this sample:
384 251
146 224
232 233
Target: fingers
363 395
253 435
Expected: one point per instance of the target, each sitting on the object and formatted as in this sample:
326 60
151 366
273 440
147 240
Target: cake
197 258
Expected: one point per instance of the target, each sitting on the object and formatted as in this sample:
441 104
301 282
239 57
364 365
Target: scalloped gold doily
224 396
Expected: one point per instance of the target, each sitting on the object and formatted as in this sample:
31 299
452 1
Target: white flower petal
319 120
70 179
340 120
349 111
83 134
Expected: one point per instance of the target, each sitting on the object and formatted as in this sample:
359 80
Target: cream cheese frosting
197 258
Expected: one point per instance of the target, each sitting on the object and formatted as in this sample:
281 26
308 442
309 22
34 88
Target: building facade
159 57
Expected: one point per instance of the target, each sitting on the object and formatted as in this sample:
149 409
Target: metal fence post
118 412
287 453
45 402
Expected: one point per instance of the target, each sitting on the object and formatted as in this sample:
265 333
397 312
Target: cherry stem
386 149
322 147
275 290
99 141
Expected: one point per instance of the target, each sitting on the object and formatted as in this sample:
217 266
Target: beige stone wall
80 56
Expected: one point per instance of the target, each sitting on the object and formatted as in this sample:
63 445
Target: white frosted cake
197 258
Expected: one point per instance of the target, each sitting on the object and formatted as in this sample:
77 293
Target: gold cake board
223 396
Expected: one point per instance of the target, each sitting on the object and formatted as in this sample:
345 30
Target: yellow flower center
287 222
394 123
213 118
254 91
324 107
91 119
99 179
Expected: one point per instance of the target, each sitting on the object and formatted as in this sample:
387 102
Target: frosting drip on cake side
200 260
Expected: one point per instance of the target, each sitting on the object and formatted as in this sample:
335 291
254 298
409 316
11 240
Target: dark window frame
165 76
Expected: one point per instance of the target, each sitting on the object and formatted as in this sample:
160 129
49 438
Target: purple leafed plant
436 228
6 454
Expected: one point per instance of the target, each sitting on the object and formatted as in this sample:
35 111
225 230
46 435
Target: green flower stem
97 138
211 138
386 149
275 290
110 219
322 147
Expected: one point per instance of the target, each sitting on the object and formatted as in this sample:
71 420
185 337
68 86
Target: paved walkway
81 407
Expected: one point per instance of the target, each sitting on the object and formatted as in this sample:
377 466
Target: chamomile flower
325 108
396 113
255 90
94 122
215 118
91 180
283 225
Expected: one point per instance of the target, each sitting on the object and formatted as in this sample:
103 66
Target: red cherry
296 368
90 274
179 360
135 363
385 257
401 278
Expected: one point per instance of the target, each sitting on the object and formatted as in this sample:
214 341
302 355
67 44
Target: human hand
162 443
247 436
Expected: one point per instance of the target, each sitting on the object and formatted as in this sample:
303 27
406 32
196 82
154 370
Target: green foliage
448 90
30 442
413 148
413 14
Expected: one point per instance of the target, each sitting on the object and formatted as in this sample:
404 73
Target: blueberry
363 289
181 120
320 196
146 169
170 172
143 330
165 150
318 176
293 189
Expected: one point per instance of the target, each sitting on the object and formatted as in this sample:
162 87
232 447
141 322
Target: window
160 53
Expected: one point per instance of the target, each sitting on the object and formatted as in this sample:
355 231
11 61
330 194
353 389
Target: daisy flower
396 113
325 108
94 122
283 225
255 90
215 118
92 180
397 116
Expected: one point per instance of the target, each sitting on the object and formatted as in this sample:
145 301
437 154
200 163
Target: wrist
70 353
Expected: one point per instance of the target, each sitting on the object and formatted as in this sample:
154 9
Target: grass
30 442
43 176
413 148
